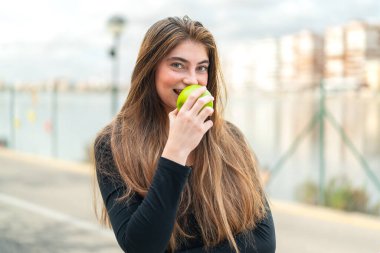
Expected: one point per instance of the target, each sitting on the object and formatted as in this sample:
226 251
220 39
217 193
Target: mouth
177 91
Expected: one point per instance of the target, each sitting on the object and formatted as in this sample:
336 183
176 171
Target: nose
190 78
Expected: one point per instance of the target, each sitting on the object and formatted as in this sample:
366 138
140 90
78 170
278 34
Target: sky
45 39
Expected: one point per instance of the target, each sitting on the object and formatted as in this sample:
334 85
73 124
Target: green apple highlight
182 97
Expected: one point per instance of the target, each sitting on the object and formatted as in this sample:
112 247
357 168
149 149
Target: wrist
176 155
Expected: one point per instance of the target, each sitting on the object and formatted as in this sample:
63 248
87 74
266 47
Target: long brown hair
223 191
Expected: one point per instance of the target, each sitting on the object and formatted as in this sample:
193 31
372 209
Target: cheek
169 78
203 80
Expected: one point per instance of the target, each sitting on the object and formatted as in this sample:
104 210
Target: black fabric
144 225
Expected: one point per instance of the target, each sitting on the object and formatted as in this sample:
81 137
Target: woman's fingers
207 125
205 113
192 98
199 105
173 113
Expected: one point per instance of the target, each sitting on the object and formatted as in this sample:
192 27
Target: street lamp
115 25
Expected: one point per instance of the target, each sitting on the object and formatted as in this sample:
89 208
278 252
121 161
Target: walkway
46 206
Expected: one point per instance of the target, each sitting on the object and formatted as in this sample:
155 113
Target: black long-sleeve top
144 225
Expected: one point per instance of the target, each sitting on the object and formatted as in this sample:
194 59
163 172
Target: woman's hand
188 126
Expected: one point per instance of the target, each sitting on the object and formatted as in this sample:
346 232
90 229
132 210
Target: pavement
46 206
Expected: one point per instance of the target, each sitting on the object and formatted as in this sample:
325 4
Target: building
348 49
292 62
347 57
301 60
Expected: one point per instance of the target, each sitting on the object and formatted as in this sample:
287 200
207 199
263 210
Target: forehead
190 50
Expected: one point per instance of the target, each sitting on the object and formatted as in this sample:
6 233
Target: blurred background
303 80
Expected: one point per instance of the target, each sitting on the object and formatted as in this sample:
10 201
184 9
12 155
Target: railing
318 119
67 121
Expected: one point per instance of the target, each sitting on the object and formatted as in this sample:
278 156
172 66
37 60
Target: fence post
54 117
322 161
12 101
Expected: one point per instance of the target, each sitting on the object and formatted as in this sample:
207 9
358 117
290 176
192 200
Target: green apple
182 97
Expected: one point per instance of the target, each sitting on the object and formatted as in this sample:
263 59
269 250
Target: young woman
180 180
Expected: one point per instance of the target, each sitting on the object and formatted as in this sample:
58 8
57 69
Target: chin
169 107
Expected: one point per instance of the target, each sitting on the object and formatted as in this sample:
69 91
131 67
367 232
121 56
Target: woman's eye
203 68
177 65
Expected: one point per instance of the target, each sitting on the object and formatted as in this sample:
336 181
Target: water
270 121
79 117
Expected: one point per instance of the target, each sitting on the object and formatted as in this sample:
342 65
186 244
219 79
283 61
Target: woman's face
186 64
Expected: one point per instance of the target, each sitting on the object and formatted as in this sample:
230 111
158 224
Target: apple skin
182 97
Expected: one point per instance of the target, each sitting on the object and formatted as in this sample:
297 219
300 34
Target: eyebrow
175 58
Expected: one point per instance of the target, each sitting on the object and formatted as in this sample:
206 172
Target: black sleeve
142 224
264 236
262 239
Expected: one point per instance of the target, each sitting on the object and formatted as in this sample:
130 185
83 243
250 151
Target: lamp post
115 26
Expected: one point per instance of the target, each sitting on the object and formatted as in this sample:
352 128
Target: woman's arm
141 224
